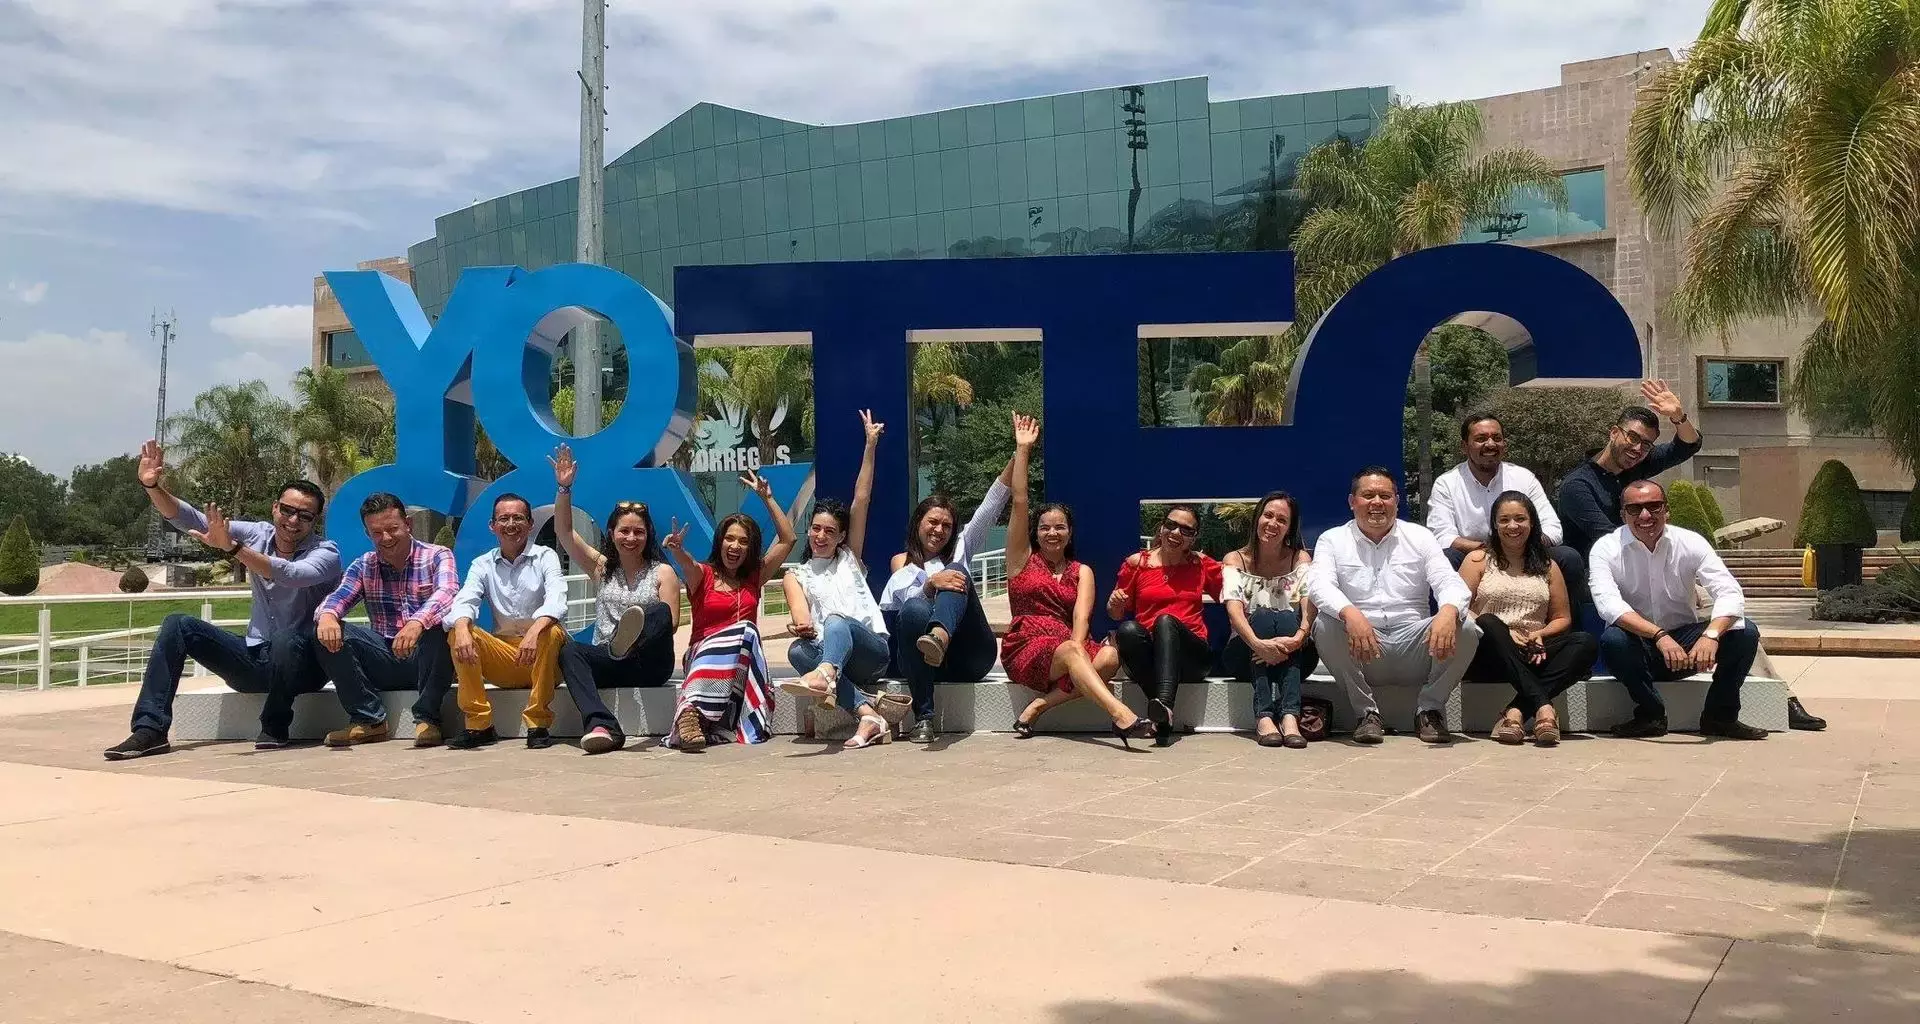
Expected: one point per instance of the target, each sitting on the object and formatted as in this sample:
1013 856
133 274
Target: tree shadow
1876 878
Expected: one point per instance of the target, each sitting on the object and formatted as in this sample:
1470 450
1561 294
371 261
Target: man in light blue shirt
523 585
292 571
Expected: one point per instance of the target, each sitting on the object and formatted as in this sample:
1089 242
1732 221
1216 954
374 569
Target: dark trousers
1637 663
971 648
589 668
1573 569
282 668
1276 688
1498 659
365 667
1159 661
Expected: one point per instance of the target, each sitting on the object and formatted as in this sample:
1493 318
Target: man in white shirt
1643 576
1460 508
524 586
1371 580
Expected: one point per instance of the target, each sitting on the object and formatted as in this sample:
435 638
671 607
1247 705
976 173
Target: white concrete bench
1218 705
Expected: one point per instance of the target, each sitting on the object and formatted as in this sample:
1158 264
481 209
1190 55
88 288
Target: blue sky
212 156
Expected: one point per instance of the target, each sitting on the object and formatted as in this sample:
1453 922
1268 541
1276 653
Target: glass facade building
1158 167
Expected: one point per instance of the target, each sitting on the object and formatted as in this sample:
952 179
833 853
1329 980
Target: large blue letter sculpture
491 351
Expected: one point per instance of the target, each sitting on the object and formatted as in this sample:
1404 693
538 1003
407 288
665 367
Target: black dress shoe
1732 729
1797 717
1294 741
473 739
1637 728
539 739
1270 739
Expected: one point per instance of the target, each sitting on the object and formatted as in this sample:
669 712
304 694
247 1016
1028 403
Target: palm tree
333 423
1248 386
1786 145
235 445
770 384
1423 180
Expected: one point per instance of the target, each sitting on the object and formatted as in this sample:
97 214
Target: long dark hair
748 565
842 517
1533 554
610 552
917 553
1290 542
1033 528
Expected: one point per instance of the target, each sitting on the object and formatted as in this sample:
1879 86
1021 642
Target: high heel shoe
1024 730
1139 730
1162 722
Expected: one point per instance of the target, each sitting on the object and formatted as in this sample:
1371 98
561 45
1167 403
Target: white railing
45 654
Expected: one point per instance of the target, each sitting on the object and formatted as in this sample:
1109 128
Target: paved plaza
986 878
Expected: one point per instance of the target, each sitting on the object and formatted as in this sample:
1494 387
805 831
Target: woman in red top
1164 644
723 661
1051 597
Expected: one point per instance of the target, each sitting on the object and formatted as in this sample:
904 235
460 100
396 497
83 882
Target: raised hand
153 464
757 484
1026 430
676 539
564 468
217 535
874 430
1661 399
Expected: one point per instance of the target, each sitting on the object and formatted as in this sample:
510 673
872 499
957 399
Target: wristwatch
235 549
1711 634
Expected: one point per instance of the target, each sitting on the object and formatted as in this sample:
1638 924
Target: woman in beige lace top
1527 640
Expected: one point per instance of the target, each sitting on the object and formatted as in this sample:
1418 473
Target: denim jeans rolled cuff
222 653
292 670
857 653
1276 688
971 646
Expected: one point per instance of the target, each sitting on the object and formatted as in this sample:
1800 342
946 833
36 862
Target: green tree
1834 512
1421 181
772 385
1784 145
445 535
25 492
1550 430
105 504
1910 522
1468 364
235 445
1686 510
1247 387
19 560
334 423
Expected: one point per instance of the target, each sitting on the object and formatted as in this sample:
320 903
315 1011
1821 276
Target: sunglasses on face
1652 508
1180 528
1635 441
296 514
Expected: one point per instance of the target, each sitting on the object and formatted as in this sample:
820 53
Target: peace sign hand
757 484
564 468
675 540
874 430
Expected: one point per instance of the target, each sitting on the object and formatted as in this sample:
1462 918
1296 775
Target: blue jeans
1276 688
971 648
1638 664
858 653
365 666
281 668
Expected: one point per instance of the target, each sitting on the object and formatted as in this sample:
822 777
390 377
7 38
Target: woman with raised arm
1527 638
1051 597
841 638
634 617
1164 642
1264 588
725 693
940 630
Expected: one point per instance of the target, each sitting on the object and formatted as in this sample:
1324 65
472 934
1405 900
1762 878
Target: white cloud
62 410
268 327
31 294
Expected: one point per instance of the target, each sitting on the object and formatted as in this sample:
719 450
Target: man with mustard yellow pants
524 587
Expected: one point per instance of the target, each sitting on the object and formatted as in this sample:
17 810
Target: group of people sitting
1490 589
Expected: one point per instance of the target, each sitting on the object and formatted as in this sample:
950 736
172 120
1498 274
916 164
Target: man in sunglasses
1643 575
291 570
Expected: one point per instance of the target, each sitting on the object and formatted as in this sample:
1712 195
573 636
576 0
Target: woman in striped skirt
726 693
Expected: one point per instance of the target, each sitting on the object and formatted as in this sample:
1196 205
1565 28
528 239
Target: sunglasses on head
630 506
1180 528
298 514
1649 507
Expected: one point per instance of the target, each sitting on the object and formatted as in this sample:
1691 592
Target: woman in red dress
1051 598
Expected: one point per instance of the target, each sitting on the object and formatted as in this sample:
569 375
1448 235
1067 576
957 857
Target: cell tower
161 329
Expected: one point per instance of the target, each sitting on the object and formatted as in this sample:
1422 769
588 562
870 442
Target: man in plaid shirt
408 587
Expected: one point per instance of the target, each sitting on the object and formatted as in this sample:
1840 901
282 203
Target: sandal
813 684
1546 732
1510 732
1024 730
1140 729
883 737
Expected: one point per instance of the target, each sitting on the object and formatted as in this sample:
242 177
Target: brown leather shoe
356 734
1369 730
1431 727
1546 732
1508 731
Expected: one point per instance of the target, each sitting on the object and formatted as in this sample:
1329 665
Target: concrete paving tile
1164 864
33 793
1448 808
1226 839
1371 852
1455 832
1282 873
1519 864
1708 871
1201 787
1322 801
1130 805
1789 923
1814 812
1488 897
1259 814
1760 982
1077 825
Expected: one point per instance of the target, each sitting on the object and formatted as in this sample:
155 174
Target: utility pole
161 331
588 246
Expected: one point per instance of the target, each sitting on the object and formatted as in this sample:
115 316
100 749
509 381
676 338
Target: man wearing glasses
1590 493
291 570
1643 575
524 586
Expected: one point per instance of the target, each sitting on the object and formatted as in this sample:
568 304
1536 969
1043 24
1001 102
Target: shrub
19 560
1715 518
81 555
1910 523
1834 512
133 581
1867 602
1685 510
444 537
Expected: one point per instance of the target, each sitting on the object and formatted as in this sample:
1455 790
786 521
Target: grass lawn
108 614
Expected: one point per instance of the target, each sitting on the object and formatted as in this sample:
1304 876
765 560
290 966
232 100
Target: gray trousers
1403 661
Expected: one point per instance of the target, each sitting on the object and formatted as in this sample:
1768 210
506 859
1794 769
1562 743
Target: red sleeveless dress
1042 609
